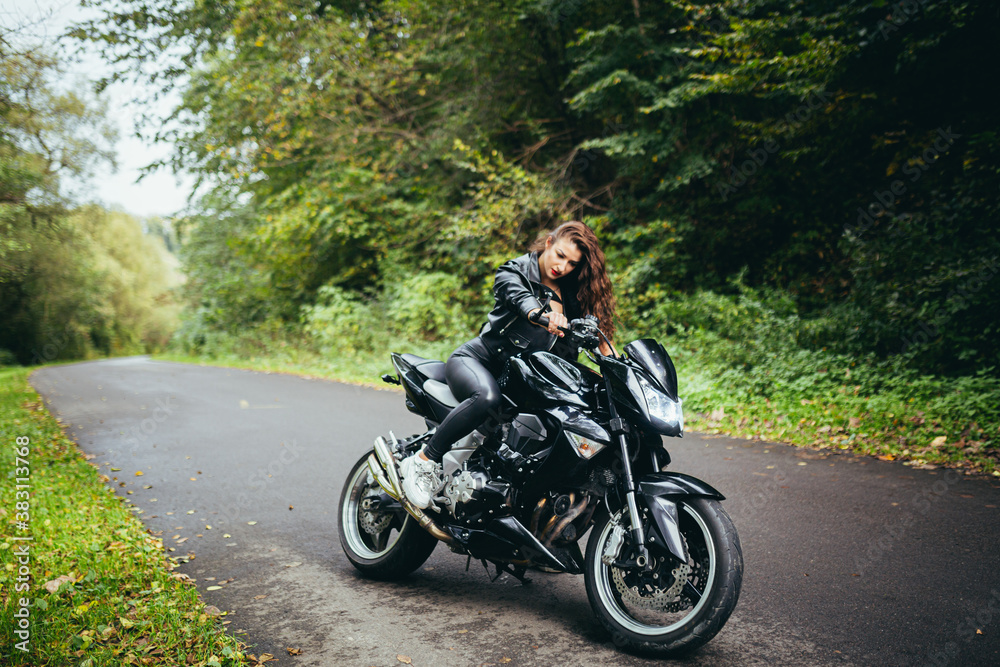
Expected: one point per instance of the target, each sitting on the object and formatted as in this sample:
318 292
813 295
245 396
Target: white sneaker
421 479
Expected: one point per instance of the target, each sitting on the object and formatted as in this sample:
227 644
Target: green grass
118 603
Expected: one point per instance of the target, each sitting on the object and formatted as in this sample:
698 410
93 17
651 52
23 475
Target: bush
344 322
428 306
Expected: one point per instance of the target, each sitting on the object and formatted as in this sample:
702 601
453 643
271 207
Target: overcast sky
161 193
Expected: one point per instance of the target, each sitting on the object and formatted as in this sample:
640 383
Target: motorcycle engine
473 495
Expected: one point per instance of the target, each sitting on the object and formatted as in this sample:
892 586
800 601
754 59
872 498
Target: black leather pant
471 372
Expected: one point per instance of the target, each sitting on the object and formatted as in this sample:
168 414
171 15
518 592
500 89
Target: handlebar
583 332
544 321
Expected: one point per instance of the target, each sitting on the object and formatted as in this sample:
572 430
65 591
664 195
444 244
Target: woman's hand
556 320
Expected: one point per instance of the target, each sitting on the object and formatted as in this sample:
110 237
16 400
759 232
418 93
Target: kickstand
517 572
467 563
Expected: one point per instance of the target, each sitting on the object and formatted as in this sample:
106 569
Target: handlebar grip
544 321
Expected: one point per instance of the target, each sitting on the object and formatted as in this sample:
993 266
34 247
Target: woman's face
560 258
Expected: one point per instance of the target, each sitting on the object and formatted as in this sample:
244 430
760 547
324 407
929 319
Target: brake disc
649 595
373 523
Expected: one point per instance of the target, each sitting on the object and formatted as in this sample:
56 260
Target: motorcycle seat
441 392
429 368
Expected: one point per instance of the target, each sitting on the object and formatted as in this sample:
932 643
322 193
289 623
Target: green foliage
90 283
803 195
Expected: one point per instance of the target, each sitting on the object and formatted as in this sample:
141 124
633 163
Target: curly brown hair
593 287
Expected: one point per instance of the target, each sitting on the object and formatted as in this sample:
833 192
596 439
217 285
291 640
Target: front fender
675 484
660 492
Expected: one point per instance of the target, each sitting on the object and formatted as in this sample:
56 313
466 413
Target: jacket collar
532 267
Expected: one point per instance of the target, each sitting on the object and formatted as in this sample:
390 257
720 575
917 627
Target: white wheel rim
605 587
361 481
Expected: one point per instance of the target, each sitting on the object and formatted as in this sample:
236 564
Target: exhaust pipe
388 462
425 521
383 481
383 466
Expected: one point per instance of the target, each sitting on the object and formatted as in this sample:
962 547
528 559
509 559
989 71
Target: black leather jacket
518 290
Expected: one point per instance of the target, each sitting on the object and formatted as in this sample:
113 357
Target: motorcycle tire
668 621
399 548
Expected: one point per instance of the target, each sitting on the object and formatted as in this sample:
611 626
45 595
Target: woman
566 266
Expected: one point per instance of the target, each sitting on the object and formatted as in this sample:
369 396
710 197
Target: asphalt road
848 560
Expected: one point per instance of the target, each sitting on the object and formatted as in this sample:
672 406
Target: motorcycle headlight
659 404
584 446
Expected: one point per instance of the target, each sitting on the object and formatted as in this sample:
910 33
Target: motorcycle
569 451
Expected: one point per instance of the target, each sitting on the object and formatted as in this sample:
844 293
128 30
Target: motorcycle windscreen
654 359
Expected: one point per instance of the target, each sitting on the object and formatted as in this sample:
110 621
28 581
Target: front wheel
378 536
675 607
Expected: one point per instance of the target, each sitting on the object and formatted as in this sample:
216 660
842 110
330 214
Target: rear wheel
381 543
675 607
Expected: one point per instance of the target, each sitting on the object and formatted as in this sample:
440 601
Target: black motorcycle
568 450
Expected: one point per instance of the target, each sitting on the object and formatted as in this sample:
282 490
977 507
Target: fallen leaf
53 586
251 523
259 597
404 659
938 441
462 632
504 660
138 473
214 588
293 564
212 610
978 631
854 422
182 540
294 651
886 457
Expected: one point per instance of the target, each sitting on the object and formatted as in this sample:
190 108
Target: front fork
619 428
638 534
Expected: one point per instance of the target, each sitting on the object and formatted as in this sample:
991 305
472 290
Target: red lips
556 273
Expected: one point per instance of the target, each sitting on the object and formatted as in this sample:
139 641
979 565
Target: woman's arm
512 290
